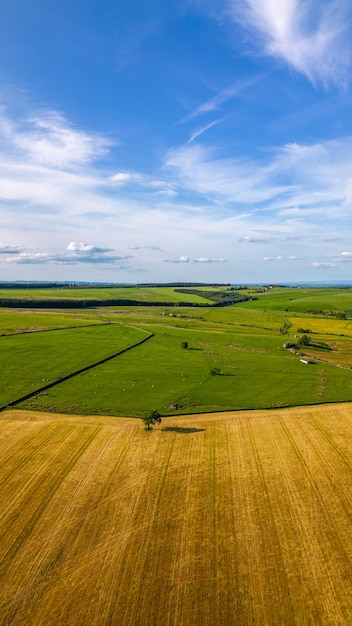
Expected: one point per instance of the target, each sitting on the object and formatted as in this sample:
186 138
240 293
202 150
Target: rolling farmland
239 518
67 371
212 519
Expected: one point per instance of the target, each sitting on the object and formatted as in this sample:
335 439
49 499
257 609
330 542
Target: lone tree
150 419
185 344
304 340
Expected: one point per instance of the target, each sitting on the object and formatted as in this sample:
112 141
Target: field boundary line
62 379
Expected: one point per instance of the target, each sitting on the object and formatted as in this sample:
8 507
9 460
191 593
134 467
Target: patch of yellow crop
220 519
321 325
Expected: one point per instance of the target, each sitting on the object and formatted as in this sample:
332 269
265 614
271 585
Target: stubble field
239 518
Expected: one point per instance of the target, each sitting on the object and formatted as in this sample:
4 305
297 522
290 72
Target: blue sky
180 140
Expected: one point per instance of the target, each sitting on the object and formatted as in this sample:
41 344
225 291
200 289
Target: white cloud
196 167
294 181
13 249
30 258
253 240
49 167
158 184
207 260
323 264
152 248
312 37
120 179
220 201
50 140
181 259
86 248
75 253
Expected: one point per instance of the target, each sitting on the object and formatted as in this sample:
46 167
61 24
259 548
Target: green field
302 299
235 357
29 321
31 361
142 294
256 372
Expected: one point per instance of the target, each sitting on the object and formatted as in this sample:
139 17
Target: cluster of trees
220 298
340 315
32 303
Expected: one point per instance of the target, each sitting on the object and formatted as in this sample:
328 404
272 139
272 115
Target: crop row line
29 453
28 528
295 514
281 573
334 533
325 434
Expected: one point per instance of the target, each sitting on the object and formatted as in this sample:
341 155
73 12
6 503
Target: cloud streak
215 103
295 181
312 37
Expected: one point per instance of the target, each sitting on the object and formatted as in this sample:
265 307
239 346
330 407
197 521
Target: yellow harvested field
322 325
240 518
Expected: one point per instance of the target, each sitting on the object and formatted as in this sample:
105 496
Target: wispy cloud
282 258
323 264
295 181
198 168
215 103
152 248
49 139
312 37
201 131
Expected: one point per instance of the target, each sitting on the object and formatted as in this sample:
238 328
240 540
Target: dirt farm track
240 518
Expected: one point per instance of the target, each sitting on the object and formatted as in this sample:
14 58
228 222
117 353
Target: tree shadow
181 430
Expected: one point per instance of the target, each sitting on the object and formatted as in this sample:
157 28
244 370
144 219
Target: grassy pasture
257 372
300 300
19 321
246 317
210 520
244 341
30 361
147 294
